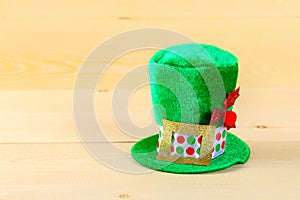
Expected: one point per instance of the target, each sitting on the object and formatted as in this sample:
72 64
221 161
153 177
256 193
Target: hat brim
144 152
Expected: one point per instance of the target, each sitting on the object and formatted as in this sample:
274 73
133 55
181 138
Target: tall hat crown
193 89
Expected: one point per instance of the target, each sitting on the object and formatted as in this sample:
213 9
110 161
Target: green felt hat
188 83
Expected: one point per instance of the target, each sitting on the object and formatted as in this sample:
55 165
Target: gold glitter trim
170 127
183 160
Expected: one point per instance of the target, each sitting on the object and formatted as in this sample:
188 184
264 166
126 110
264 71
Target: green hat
193 89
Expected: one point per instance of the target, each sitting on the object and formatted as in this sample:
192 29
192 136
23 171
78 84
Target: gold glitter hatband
170 127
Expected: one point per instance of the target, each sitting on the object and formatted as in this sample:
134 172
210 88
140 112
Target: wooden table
44 43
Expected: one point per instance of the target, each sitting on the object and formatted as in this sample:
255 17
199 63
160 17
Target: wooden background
44 43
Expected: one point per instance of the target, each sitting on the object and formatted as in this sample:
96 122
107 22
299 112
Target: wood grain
66 171
40 48
43 44
42 116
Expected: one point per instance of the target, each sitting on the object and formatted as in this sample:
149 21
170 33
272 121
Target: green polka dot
198 151
218 147
159 134
191 140
223 134
179 150
173 138
230 108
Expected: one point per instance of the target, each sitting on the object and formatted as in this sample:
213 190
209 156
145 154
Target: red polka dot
200 139
172 149
213 149
223 145
158 144
180 139
190 151
218 137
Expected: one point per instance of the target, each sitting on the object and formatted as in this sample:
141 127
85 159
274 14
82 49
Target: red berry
230 119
